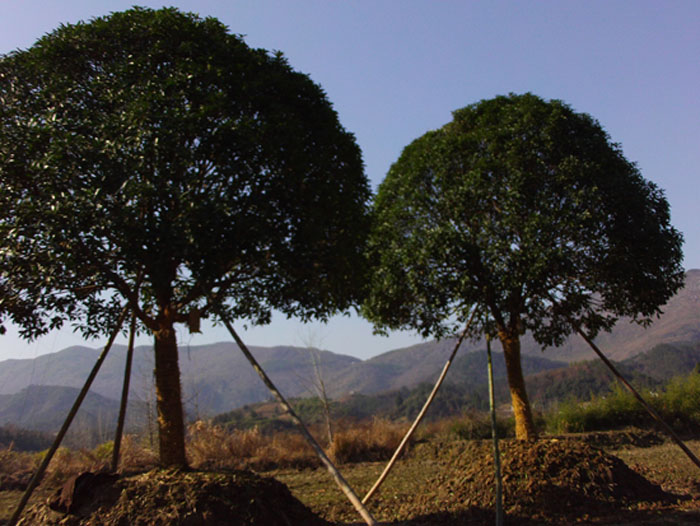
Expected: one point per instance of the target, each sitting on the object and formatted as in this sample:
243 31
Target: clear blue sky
395 69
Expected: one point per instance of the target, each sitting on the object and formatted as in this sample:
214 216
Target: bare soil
545 482
174 497
562 481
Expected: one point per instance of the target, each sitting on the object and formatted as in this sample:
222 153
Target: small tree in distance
151 158
524 209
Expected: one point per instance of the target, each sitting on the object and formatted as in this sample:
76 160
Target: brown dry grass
134 455
211 446
12 461
20 466
369 441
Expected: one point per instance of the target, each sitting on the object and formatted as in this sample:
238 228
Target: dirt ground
173 497
564 480
551 481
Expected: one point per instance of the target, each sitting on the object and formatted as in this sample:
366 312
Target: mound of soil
543 480
621 439
173 497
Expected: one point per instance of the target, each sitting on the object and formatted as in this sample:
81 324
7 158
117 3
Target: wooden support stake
420 416
340 481
125 396
641 400
34 482
494 436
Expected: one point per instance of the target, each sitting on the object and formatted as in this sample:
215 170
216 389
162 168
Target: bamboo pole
420 416
641 400
340 481
494 436
36 478
125 396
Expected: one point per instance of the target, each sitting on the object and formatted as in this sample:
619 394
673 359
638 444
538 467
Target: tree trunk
524 424
171 429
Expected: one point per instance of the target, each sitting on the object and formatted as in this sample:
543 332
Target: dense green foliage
524 211
153 156
527 209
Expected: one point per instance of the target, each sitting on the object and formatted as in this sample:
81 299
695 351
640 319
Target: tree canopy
152 158
526 210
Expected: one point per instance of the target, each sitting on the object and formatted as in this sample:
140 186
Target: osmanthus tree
525 210
152 159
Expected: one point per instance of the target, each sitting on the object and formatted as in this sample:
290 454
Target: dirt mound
542 480
173 497
621 439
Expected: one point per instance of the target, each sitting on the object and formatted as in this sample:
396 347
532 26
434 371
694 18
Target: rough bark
168 395
524 423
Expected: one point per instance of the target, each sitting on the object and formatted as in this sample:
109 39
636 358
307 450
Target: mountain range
216 378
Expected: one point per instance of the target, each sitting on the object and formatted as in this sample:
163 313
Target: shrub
615 410
678 405
16 468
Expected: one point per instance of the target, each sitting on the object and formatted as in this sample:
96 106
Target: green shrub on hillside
678 404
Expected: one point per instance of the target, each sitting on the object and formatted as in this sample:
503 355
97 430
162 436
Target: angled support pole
34 482
420 416
641 400
494 437
340 481
125 396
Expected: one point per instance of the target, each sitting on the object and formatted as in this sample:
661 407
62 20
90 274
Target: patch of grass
372 440
13 462
678 404
214 447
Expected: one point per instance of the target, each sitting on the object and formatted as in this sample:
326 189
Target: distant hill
466 390
581 381
666 360
680 322
44 408
216 378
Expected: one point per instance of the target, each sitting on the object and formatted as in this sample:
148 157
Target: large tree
152 159
526 211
